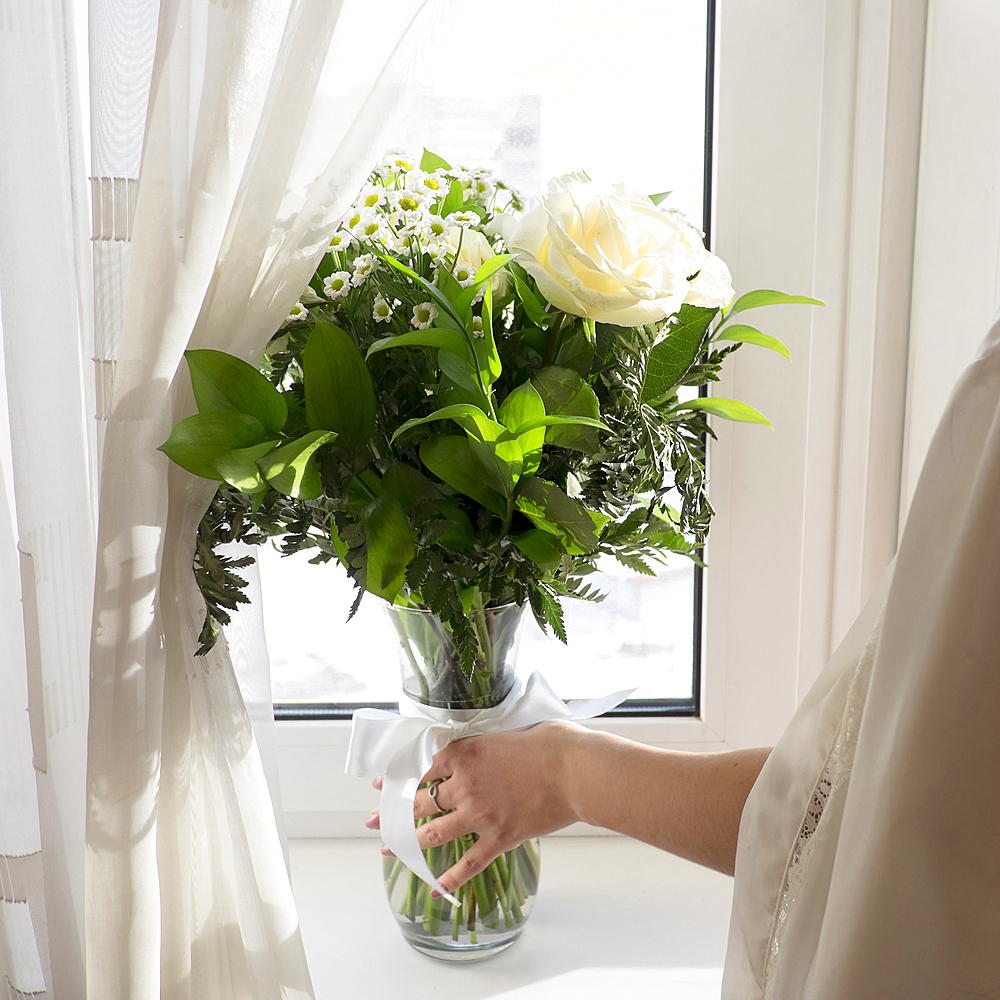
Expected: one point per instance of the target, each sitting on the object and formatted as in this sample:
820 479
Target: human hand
506 787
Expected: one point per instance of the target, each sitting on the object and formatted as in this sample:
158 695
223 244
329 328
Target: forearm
689 804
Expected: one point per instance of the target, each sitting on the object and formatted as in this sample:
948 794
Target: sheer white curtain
256 123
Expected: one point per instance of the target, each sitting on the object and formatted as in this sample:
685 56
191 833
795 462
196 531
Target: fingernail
435 894
386 852
371 817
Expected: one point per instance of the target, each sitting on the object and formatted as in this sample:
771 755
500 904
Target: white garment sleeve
868 863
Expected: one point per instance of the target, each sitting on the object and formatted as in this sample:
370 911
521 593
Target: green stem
493 870
553 345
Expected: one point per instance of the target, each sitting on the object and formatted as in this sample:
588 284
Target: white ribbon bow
403 746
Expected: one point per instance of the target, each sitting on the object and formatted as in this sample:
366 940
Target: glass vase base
446 950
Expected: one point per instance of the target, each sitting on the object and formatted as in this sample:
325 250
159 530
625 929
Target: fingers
373 820
377 782
424 805
442 830
471 863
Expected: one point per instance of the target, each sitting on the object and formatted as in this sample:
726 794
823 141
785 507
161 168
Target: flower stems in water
493 900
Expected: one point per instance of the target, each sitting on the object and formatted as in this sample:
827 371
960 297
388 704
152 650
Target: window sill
614 917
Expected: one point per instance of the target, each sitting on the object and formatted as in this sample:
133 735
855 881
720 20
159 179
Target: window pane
532 89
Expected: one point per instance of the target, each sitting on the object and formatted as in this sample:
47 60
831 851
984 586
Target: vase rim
427 611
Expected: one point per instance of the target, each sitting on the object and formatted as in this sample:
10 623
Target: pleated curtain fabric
868 865
140 853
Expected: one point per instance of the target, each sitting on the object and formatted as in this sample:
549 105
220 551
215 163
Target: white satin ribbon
402 747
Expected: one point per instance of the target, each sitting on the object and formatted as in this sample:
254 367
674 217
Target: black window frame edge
343 711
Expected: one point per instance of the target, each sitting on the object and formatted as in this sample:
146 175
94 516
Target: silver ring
432 791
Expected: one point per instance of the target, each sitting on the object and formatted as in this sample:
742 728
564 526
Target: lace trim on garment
835 774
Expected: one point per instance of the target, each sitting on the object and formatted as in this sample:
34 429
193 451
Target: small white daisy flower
372 195
370 226
381 310
297 312
408 201
424 315
437 226
437 251
462 219
477 327
363 265
464 274
337 285
341 240
435 184
482 186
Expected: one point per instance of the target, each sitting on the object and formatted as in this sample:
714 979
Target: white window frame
823 113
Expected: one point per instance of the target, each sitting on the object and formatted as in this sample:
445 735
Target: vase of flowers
495 904
469 407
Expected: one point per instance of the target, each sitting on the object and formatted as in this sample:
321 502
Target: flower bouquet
470 406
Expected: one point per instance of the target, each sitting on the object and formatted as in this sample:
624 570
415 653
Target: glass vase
495 903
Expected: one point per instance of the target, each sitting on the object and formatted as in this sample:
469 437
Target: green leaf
521 407
460 371
492 369
556 419
671 358
450 459
660 197
430 162
533 306
454 200
551 510
748 335
461 535
576 352
408 485
338 387
223 383
494 449
539 546
196 442
239 468
731 409
768 297
445 340
564 392
292 470
389 541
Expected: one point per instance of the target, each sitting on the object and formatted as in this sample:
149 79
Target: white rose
609 254
712 284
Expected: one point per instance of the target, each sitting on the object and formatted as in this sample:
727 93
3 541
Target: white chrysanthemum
437 226
483 185
437 251
477 327
464 273
407 201
297 312
381 310
433 185
363 265
337 285
371 226
463 219
341 240
424 315
372 195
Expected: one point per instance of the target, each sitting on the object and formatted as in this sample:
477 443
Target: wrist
584 751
